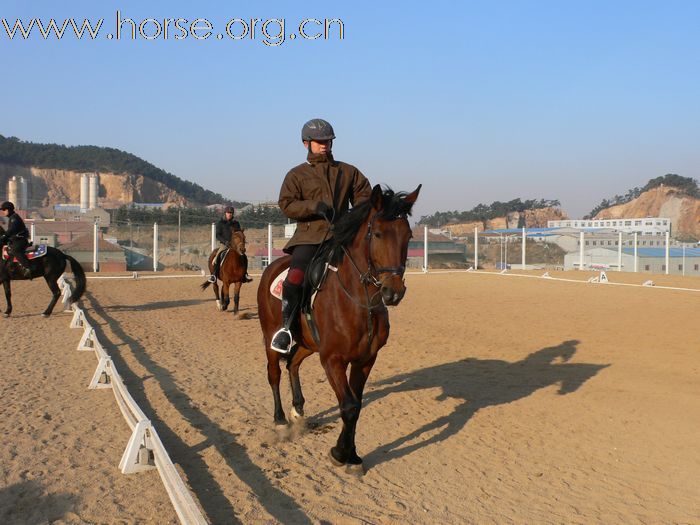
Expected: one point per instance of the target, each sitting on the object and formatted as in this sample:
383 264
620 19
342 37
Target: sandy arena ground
497 400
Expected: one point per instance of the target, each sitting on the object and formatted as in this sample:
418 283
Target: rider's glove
325 211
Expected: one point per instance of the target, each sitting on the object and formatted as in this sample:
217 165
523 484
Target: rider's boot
24 269
217 267
291 296
246 278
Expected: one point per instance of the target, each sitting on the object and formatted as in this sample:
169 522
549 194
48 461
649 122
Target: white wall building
644 226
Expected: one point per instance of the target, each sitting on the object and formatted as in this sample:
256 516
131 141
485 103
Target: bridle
371 277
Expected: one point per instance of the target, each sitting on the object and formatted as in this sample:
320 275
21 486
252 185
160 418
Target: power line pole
179 243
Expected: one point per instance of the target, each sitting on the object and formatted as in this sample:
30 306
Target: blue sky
478 101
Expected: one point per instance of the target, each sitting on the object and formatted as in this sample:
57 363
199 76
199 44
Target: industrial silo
22 186
13 191
94 190
84 191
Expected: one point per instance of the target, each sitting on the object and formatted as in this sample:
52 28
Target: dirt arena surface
498 399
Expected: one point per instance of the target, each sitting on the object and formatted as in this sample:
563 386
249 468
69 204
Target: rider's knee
295 276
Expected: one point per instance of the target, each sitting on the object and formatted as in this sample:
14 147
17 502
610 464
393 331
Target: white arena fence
144 451
601 278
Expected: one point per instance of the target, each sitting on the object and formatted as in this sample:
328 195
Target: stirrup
278 348
212 278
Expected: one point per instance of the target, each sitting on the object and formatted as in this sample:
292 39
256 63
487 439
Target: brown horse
232 270
49 266
369 249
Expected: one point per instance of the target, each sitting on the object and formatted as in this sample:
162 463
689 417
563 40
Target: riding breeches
301 258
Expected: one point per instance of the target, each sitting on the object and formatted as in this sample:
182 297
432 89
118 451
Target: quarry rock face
664 201
532 219
54 186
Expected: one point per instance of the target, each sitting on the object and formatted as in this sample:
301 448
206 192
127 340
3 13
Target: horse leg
297 396
8 297
215 285
358 379
344 450
225 298
236 296
274 372
56 291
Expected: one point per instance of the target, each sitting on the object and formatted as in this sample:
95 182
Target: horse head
238 241
387 236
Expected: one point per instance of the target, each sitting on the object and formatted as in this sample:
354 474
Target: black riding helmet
7 205
317 129
229 209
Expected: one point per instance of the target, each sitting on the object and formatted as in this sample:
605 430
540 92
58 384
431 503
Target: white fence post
476 248
635 252
213 236
269 243
131 459
32 232
580 253
667 252
425 249
95 248
155 246
523 254
619 251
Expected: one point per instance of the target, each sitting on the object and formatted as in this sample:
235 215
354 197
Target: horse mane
345 230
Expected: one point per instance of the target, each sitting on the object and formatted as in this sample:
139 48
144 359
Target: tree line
484 212
684 185
250 217
93 158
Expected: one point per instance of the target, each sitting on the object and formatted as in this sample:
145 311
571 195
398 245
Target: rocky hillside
663 201
53 175
51 186
529 218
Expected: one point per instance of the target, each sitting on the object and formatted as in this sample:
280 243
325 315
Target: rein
367 279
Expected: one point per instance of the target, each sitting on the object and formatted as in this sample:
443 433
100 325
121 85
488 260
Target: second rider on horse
224 229
16 237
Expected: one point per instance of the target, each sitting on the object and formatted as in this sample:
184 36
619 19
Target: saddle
33 252
314 277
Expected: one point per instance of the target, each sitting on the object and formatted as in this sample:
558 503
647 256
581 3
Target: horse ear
376 198
413 196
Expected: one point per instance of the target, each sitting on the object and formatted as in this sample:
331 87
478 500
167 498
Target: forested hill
484 212
14 151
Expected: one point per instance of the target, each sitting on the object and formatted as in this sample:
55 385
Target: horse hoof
282 431
296 416
335 460
355 470
6 315
45 315
218 305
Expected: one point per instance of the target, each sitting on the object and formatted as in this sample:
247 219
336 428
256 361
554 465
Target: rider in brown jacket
315 194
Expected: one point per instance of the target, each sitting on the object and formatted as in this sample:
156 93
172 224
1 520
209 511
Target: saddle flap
36 251
276 286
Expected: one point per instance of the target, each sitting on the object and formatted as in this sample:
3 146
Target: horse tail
80 280
205 285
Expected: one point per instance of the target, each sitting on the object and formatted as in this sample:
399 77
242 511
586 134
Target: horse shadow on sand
28 502
478 384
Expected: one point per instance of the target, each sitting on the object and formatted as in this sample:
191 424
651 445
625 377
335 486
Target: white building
643 226
681 261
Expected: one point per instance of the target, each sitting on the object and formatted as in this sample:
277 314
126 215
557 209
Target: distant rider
16 237
224 229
